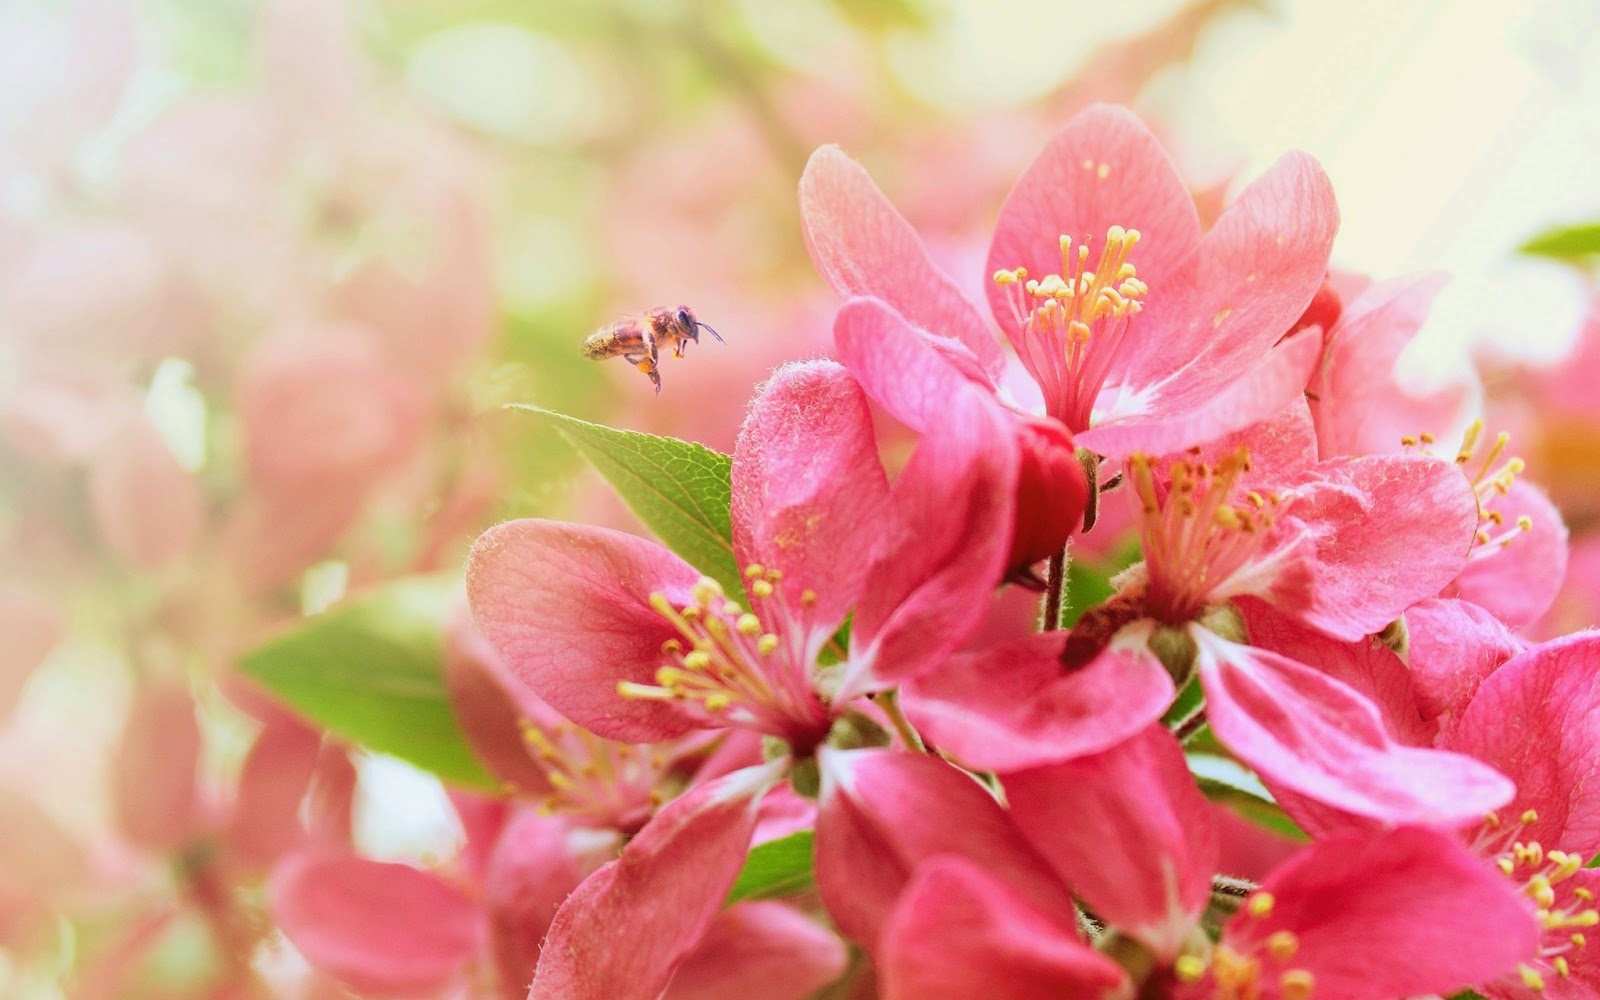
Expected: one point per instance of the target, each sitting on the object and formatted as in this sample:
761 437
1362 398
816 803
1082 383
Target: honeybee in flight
639 339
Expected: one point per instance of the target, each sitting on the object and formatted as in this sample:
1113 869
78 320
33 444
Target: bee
640 339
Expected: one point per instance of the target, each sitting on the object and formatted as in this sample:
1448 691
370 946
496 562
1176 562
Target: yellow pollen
754 571
749 624
1562 968
717 702
1297 984
808 597
1260 904
761 588
1578 940
1491 820
1189 968
1567 865
1282 945
766 644
1539 891
672 647
1531 978
706 591
1584 894
1530 817
1506 865
560 781
697 660
732 609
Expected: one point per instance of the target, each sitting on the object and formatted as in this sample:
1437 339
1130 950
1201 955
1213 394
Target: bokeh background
269 270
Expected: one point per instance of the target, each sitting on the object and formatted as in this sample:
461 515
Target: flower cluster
1323 608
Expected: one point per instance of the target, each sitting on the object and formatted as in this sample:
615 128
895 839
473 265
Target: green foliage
679 489
371 670
1224 781
1571 243
777 868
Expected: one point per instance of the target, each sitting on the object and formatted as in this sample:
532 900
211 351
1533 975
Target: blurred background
269 270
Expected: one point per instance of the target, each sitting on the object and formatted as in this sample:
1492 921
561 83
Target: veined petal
1304 730
1519 579
658 897
1129 831
568 608
1016 705
884 812
1389 531
1202 402
809 494
1250 279
862 246
760 951
960 933
1402 913
1452 645
952 513
376 927
1537 719
903 371
1103 168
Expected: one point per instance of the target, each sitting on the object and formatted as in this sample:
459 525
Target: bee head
692 324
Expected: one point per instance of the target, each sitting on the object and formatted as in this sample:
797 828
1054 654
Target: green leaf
1566 242
679 489
371 670
777 868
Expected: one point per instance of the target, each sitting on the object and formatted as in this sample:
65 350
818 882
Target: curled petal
659 896
1537 719
809 494
1452 645
960 933
760 951
884 812
377 927
1129 831
1402 913
568 608
1016 706
1518 578
862 246
1314 735
900 369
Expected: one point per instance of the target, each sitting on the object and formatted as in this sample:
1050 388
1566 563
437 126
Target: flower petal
1129 831
265 823
809 494
1389 531
1519 580
1016 706
884 812
568 608
1302 729
952 512
156 796
960 933
903 371
658 897
1452 646
1103 168
147 507
1537 719
32 627
862 246
1403 913
760 951
491 706
376 927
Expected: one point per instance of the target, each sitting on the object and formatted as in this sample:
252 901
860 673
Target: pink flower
1079 320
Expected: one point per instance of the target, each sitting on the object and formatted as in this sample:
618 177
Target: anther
1531 978
754 571
808 597
761 588
766 644
1189 968
1282 945
1297 984
1260 904
749 624
1562 968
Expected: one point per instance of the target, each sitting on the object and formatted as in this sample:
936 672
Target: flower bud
1052 492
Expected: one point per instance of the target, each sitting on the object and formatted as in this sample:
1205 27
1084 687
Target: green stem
890 702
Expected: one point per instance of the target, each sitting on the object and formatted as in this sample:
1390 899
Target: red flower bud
1052 492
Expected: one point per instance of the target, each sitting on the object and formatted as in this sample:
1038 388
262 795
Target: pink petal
1537 719
809 494
1281 447
903 371
946 546
1248 283
862 246
1582 978
959 934
148 508
155 767
885 812
491 707
622 934
1399 914
1248 850
1452 646
1519 580
381 928
1129 831
1359 407
1389 531
536 864
32 627
1104 168
1017 706
1366 666
1303 730
760 951
265 823
568 608
1207 400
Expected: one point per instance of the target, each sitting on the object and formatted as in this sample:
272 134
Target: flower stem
1190 725
1055 583
889 701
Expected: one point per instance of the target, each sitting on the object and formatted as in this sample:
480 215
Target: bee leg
646 365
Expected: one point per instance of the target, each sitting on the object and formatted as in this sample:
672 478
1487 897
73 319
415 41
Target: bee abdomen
599 345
